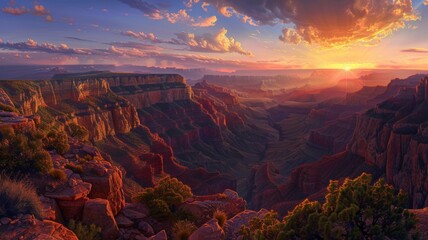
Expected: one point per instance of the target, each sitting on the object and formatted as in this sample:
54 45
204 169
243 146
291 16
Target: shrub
58 174
42 161
221 217
357 209
57 140
159 209
18 196
23 151
85 232
78 131
75 168
170 191
183 229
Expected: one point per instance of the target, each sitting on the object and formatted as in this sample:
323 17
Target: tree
356 209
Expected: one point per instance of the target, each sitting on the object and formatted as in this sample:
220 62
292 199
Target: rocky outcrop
205 206
27 227
97 211
209 231
241 219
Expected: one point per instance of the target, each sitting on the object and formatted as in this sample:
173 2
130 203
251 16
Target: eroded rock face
205 206
106 183
209 231
233 225
97 211
29 228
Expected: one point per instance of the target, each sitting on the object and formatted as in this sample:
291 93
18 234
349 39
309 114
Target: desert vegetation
165 197
18 196
183 229
85 232
356 209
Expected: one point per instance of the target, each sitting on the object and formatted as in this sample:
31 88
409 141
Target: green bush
85 232
168 192
23 151
58 174
159 209
57 140
78 131
18 197
221 217
183 229
356 209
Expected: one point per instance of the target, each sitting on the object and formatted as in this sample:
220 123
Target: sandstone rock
209 231
233 225
51 210
75 190
159 236
146 229
123 221
98 212
72 209
40 230
107 185
205 206
133 214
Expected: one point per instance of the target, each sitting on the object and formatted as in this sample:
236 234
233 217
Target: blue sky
218 34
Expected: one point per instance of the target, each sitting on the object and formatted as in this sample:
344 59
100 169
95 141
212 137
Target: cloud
426 2
81 39
326 22
290 36
206 22
154 12
38 10
150 10
32 46
415 50
17 11
218 42
151 37
180 16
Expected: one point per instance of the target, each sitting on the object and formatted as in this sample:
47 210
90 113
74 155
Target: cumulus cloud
208 42
326 22
206 22
16 10
38 10
415 50
154 12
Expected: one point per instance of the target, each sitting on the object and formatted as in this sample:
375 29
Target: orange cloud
325 22
206 22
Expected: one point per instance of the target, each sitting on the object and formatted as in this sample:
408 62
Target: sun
347 68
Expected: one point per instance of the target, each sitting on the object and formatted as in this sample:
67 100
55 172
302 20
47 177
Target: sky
222 35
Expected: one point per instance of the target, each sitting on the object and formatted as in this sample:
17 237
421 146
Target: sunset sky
221 35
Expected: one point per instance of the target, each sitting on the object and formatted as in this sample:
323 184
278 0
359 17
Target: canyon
237 148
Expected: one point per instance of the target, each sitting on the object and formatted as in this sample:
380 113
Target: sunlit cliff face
224 35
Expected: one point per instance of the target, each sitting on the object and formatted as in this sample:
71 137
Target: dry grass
58 174
18 196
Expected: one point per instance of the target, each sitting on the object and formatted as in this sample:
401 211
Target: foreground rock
29 228
98 212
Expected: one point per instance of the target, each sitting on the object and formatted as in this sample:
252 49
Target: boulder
159 236
232 225
30 228
106 183
209 231
146 229
98 212
72 209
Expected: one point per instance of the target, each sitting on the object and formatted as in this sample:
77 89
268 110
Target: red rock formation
97 211
209 231
29 228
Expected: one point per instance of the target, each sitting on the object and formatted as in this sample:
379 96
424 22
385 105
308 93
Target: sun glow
347 68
